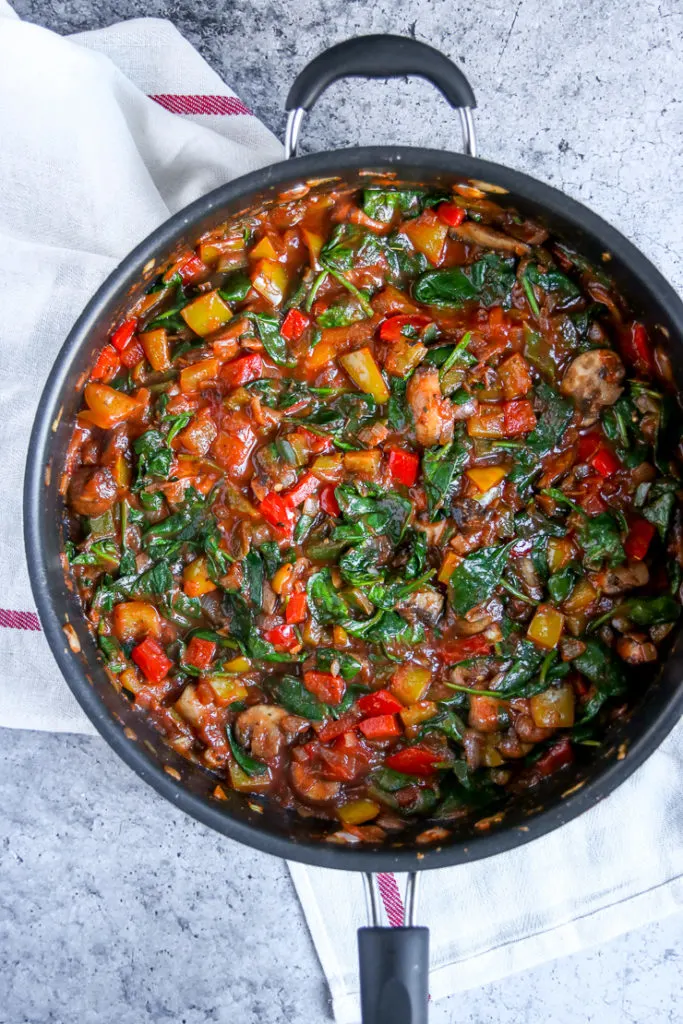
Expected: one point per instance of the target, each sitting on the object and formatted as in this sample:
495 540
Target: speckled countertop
114 907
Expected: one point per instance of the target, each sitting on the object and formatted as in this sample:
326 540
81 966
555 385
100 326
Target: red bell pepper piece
605 462
637 348
282 636
414 761
297 608
294 325
639 537
243 370
392 329
519 417
124 333
328 501
453 651
151 658
559 755
345 759
403 466
381 727
276 511
191 268
326 687
381 702
132 354
305 486
588 445
107 365
449 213
200 652
331 730
317 444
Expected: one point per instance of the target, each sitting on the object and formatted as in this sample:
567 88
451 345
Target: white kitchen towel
94 156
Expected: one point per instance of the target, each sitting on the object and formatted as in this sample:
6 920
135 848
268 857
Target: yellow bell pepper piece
196 578
365 464
329 468
282 577
486 477
227 691
263 250
410 682
210 252
428 234
238 664
366 374
448 566
270 280
206 314
489 421
340 637
559 553
554 708
192 377
358 811
314 243
134 620
130 680
418 713
403 357
546 627
244 783
581 596
107 407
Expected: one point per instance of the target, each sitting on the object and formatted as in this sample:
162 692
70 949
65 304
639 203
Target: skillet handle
379 56
394 975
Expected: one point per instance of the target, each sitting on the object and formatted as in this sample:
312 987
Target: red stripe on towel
18 620
200 104
391 898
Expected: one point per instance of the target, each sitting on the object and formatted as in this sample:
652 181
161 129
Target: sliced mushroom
636 649
432 413
624 577
265 729
489 238
593 380
424 606
309 786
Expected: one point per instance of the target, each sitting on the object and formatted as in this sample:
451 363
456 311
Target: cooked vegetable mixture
373 505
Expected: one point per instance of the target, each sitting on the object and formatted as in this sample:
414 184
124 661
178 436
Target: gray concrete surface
114 907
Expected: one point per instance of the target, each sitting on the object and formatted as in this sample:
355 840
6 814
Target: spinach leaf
661 499
359 565
113 655
561 584
381 204
101 552
154 457
253 564
547 433
524 669
236 287
418 555
341 315
349 667
268 327
270 553
553 281
324 603
388 595
157 580
600 667
441 471
447 722
476 577
600 538
170 319
246 762
494 278
244 631
398 412
293 695
649 611
391 781
450 287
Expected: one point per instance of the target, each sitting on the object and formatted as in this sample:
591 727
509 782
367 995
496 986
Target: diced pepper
486 477
282 636
317 444
191 268
366 374
365 464
515 376
546 627
200 652
297 608
325 686
194 376
559 553
314 243
134 620
206 314
238 664
337 727
294 325
329 468
243 783
263 250
484 713
588 445
401 327
107 365
453 651
151 658
639 538
328 502
554 707
212 250
381 702
282 578
488 421
196 578
270 280
414 761
382 727
403 466
450 214
410 682
226 690
243 370
519 417
428 234
417 713
278 512
559 755
450 561
107 407
637 348
358 811
132 354
605 462
123 334
580 598
157 349
403 357
306 485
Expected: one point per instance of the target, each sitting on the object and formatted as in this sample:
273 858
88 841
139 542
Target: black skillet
394 962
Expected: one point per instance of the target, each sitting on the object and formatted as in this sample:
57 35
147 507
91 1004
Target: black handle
394 975
380 56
